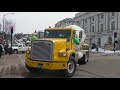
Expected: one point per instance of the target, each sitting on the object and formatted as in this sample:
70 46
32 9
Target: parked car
19 48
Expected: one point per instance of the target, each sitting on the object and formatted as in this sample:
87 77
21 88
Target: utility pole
11 37
3 29
4 25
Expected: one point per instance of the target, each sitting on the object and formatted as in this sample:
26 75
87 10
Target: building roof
68 19
79 14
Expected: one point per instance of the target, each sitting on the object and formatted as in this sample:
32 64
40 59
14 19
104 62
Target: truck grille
42 50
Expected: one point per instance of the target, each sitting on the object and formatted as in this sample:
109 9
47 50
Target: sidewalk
95 54
10 59
11 66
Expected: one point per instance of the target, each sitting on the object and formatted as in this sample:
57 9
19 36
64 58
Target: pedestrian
97 49
9 49
6 48
1 50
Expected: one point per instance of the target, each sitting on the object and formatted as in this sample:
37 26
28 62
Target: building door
99 41
110 40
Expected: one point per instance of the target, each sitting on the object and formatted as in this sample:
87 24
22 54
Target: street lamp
4 22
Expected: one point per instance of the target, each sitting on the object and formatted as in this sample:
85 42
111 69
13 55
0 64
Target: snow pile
105 52
99 50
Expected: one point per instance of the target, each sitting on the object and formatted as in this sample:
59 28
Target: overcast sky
28 22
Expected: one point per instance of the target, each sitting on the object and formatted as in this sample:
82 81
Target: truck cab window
57 34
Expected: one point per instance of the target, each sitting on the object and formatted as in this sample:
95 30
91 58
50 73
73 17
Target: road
12 66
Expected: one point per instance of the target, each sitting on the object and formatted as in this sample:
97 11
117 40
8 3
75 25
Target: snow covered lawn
105 52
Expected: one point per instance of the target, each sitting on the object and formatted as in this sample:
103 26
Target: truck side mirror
77 41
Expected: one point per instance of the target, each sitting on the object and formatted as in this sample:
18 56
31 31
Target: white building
66 22
99 26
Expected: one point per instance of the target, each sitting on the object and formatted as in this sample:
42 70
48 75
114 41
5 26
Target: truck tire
88 55
84 59
15 51
69 72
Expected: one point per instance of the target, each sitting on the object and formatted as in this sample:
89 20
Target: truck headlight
28 52
63 54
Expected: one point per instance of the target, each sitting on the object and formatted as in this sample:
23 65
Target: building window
85 21
90 30
86 30
90 40
78 23
99 41
93 19
113 13
102 16
93 29
110 40
113 25
101 27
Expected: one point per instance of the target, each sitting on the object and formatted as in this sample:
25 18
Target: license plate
40 66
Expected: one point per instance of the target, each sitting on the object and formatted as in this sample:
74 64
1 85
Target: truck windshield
57 34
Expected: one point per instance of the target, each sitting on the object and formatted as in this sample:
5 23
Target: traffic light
11 30
115 37
115 34
116 41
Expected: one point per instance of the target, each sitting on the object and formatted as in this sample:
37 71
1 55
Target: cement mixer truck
60 49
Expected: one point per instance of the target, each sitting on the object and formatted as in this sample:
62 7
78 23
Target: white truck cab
19 48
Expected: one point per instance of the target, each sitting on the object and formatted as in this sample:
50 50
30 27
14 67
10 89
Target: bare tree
8 25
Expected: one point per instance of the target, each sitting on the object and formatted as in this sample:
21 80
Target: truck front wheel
71 68
84 59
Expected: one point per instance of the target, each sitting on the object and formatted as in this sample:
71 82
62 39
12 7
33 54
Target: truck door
73 36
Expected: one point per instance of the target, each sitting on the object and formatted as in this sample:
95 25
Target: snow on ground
105 52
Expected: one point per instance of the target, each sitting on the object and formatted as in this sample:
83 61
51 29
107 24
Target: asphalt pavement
99 66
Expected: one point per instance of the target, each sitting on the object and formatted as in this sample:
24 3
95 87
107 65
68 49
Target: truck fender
73 55
78 55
